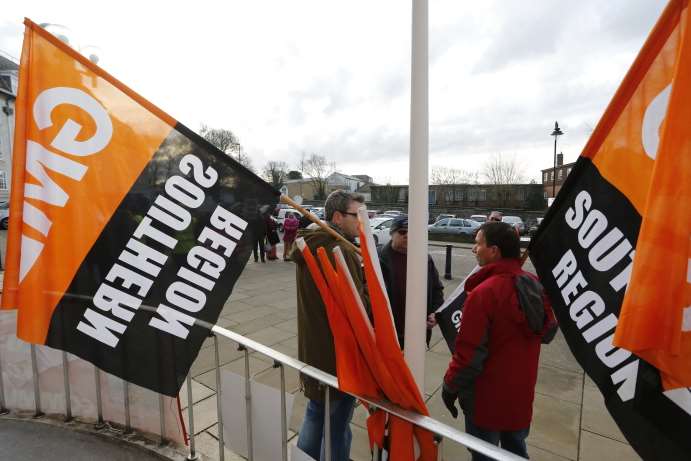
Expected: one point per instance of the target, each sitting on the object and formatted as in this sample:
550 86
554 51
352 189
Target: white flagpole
416 287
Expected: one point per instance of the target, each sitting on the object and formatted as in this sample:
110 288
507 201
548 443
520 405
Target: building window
545 176
482 196
472 194
551 175
559 175
448 195
3 180
521 194
459 195
402 194
432 197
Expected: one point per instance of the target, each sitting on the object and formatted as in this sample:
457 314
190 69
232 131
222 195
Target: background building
460 197
553 178
9 75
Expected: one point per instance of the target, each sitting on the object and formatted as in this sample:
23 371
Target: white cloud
334 77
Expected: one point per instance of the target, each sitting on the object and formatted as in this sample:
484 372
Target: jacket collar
503 266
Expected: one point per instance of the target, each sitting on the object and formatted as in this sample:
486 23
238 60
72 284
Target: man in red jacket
494 366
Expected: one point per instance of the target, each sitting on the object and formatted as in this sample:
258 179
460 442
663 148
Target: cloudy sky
333 78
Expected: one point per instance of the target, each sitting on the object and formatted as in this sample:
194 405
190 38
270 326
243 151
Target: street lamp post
556 133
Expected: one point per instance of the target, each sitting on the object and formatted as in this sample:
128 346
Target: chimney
560 159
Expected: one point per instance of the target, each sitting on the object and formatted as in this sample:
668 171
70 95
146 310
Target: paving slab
595 447
560 383
596 418
555 426
199 393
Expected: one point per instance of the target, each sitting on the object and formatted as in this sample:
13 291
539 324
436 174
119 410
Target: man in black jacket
393 258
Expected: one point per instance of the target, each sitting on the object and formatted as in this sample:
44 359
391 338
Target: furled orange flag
387 341
353 373
376 346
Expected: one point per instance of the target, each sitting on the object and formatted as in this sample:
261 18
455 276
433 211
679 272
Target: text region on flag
120 301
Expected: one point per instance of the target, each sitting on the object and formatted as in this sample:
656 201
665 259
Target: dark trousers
258 244
513 441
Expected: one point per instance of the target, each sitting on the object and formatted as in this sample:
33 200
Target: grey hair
339 200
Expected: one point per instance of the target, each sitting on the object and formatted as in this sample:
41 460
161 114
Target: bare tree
226 141
243 159
275 173
318 168
445 175
501 170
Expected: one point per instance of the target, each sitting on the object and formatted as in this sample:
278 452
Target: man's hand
449 399
431 320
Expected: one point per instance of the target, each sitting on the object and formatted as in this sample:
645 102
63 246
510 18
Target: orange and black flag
125 226
614 248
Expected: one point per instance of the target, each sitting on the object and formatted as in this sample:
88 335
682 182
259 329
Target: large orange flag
116 210
655 320
613 250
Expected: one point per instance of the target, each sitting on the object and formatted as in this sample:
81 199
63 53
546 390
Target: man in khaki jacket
315 340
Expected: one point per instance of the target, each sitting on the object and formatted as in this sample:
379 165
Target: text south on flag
613 251
125 226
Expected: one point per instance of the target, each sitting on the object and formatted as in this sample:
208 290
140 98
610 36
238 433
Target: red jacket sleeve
471 342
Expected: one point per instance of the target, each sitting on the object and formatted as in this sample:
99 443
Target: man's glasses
349 213
402 231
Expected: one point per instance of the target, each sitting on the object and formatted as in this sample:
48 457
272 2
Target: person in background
393 258
272 237
495 216
290 230
315 339
259 237
493 370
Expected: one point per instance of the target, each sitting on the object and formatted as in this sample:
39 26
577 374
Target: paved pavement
33 440
570 421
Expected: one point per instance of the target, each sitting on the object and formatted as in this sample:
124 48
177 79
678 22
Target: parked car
454 226
318 211
282 213
478 218
373 213
394 212
533 228
516 222
4 215
443 216
380 229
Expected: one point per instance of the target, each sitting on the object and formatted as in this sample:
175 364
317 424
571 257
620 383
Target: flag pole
416 275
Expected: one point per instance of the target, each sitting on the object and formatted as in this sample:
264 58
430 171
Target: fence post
192 455
447 265
66 383
37 390
3 409
284 422
327 423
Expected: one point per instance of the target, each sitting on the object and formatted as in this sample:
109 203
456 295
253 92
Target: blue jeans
513 441
311 439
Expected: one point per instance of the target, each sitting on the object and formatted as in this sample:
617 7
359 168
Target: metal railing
443 431
280 360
